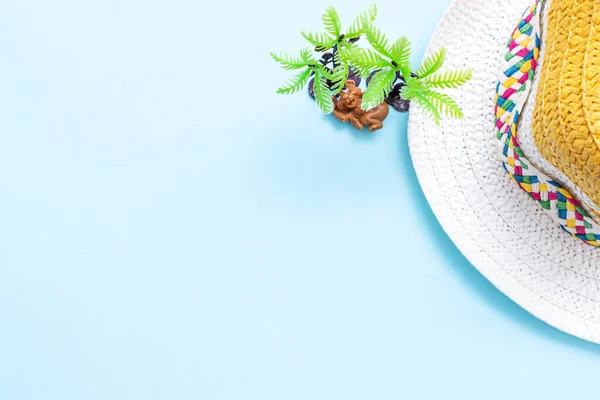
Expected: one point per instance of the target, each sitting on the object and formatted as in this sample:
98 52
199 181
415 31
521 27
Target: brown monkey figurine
348 109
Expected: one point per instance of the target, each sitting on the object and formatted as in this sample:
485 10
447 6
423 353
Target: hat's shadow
465 272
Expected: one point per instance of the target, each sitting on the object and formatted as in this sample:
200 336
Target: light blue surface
154 244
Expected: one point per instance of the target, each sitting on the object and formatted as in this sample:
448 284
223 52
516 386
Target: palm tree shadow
465 272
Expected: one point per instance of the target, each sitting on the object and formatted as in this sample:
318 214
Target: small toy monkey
348 109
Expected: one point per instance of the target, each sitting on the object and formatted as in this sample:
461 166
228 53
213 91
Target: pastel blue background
171 228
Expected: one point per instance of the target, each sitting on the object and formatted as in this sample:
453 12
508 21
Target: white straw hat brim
497 226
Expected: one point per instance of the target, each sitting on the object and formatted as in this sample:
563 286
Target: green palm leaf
323 95
449 79
401 55
409 92
295 83
291 62
357 27
378 88
378 40
417 84
319 39
307 55
338 78
339 75
347 45
416 96
432 63
332 22
444 104
364 61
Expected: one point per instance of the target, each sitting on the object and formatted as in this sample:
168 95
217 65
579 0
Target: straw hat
515 184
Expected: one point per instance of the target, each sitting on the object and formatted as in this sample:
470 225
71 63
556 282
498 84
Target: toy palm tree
387 63
333 39
333 35
386 66
335 70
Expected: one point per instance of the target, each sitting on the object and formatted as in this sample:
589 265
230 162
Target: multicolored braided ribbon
511 94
